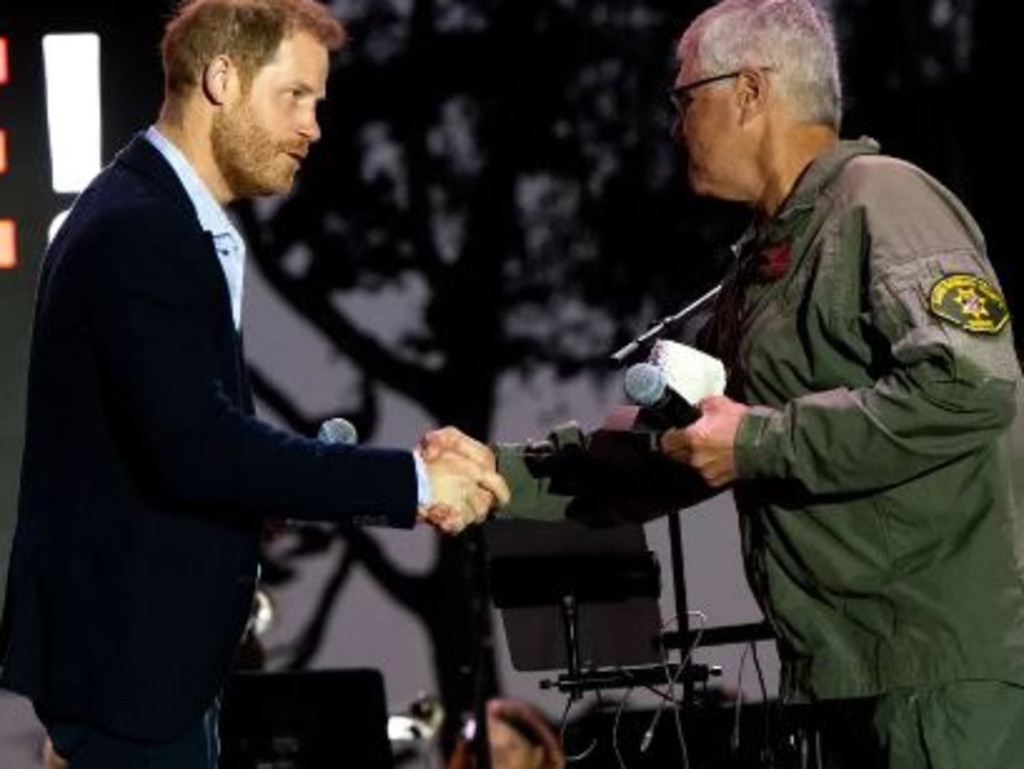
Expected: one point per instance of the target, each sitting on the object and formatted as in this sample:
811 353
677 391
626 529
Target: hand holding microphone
662 405
702 438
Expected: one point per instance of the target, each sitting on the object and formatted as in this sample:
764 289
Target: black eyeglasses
680 94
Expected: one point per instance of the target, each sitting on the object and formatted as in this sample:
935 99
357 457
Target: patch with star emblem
970 302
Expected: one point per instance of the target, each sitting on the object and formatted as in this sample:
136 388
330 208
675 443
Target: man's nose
310 128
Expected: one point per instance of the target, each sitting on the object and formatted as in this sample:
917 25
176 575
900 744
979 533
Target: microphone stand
618 359
628 352
483 680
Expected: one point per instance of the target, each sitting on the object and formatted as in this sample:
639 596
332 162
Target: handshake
464 481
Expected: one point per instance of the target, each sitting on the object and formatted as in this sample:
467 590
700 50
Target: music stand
576 598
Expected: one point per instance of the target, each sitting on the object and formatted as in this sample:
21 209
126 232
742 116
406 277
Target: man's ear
217 77
752 91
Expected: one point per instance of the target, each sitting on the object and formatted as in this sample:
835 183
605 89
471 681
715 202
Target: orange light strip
4 79
8 245
4 71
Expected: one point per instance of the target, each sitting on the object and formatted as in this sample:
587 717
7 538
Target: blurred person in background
520 736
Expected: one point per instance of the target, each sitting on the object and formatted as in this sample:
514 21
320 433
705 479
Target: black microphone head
338 430
644 384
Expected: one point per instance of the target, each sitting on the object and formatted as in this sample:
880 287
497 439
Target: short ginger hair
247 31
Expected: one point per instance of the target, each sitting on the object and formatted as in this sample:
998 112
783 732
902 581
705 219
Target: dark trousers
87 748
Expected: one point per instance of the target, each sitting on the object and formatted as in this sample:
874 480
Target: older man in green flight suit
871 418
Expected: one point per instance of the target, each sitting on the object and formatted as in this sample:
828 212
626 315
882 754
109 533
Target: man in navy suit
146 477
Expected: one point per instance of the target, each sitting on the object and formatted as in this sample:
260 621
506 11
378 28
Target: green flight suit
880 498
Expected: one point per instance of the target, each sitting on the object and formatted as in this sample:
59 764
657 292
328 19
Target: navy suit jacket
145 477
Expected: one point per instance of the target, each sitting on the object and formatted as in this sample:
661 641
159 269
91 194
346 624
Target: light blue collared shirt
231 253
212 218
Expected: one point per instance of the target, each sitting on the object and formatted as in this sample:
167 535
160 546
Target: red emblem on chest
773 262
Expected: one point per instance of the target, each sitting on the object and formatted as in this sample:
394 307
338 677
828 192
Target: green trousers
960 725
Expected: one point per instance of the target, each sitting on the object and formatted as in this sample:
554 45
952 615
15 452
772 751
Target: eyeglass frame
680 94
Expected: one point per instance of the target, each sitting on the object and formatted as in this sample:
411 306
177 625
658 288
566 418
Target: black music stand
580 599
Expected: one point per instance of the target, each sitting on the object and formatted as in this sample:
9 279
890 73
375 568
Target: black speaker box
328 719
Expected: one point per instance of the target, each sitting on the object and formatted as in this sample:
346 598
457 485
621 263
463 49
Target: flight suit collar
805 193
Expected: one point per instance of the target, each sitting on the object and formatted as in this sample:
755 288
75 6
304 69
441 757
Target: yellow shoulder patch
969 302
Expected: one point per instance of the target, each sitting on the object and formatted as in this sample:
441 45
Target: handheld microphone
646 386
338 430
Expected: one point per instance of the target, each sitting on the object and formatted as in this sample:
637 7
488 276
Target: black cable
563 725
734 738
768 749
673 681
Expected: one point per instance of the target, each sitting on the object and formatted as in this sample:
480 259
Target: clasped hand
463 478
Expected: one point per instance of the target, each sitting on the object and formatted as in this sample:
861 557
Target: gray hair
792 38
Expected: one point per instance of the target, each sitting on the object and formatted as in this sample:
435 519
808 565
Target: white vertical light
58 220
72 65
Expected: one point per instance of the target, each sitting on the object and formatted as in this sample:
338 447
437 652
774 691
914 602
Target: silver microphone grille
338 430
644 384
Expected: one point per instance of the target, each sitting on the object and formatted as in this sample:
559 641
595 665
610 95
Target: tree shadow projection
920 75
505 168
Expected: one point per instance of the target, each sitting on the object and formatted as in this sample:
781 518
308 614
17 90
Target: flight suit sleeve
605 477
541 474
949 384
